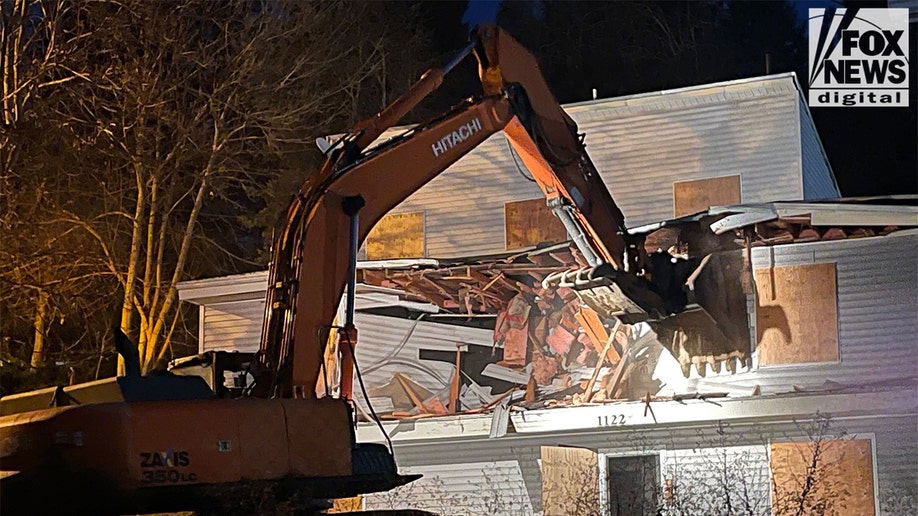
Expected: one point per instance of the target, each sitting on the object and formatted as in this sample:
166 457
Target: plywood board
531 222
348 505
840 483
693 196
796 314
397 235
570 480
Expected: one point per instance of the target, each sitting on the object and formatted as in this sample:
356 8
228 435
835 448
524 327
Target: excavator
168 441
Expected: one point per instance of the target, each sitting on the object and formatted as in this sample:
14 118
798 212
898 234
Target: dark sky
873 151
480 11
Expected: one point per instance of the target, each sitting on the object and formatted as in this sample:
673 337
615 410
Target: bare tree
172 118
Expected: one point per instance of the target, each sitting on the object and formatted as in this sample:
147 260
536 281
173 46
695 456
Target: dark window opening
633 485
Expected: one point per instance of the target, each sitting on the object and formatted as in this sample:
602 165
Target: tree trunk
40 326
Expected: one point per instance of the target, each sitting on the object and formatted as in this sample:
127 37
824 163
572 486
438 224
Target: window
796 314
693 196
397 235
837 476
530 223
633 484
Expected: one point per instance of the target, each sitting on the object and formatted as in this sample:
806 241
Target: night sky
481 11
873 151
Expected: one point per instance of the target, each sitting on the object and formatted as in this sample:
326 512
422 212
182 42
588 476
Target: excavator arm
314 247
307 285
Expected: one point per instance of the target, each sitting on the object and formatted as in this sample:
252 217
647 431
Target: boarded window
693 196
839 474
531 223
397 235
796 314
570 480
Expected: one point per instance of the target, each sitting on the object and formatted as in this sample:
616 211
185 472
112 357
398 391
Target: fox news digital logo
859 57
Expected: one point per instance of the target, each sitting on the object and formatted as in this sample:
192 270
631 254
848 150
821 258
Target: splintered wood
836 475
796 314
530 223
570 480
693 196
397 235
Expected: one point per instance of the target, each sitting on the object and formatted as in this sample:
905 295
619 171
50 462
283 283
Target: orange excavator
172 442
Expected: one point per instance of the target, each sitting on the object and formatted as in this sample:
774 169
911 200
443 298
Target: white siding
485 488
684 450
705 477
464 206
641 145
877 288
387 345
233 326
818 179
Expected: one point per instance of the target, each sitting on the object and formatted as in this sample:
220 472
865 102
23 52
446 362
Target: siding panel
489 487
641 145
877 301
818 179
681 451
387 345
233 326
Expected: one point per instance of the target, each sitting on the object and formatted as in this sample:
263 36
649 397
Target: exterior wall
387 345
234 326
456 466
818 179
486 488
640 145
464 206
877 288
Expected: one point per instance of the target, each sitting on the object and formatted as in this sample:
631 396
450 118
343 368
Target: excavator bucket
699 309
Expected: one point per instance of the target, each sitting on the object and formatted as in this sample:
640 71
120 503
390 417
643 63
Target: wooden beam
588 391
415 399
592 326
615 384
454 385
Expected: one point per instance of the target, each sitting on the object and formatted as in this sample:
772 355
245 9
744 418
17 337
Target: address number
613 420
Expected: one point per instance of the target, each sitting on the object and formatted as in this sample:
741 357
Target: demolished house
516 391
